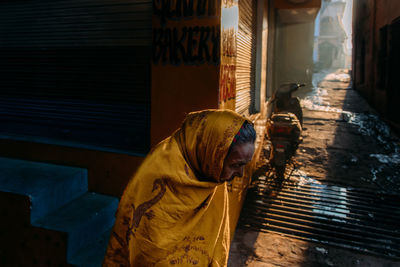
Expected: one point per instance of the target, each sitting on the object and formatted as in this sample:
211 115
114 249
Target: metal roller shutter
77 72
246 56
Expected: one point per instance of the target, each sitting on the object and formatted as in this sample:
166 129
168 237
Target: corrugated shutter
77 71
246 56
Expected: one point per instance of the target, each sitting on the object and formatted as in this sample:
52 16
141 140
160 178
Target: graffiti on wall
178 9
227 80
227 83
189 44
228 42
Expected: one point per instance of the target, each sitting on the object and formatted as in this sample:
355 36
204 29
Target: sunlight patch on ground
338 77
367 124
316 103
300 177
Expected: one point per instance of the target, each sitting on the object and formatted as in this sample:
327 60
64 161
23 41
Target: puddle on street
300 178
367 124
323 212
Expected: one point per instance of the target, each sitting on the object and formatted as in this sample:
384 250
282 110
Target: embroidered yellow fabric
174 212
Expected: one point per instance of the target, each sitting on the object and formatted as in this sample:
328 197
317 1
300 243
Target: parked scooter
284 127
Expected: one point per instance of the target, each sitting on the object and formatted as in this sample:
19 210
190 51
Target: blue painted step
48 186
93 254
84 219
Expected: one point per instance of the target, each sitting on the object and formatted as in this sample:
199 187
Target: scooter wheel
280 172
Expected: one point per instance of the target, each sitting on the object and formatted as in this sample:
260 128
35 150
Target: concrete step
84 220
93 254
48 186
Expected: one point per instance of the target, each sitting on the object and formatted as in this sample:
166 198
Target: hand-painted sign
176 40
189 45
178 9
227 82
186 53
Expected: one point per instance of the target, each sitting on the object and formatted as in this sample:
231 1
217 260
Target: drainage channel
350 218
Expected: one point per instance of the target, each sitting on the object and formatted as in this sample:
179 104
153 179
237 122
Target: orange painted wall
181 82
178 91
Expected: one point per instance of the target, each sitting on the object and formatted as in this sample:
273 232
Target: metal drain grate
346 217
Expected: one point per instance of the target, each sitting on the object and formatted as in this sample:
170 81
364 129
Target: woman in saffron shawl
174 212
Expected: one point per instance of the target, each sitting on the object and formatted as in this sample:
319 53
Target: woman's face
236 160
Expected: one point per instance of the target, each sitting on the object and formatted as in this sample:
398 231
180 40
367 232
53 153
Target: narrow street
340 202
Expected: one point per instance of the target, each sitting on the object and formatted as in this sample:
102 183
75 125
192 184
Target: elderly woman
174 212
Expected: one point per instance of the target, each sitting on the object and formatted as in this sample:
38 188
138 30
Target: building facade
376 38
95 84
290 46
330 49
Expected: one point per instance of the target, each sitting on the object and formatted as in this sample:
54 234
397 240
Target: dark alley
341 192
199 133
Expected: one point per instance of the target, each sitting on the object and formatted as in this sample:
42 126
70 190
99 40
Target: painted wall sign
181 34
177 9
229 29
186 53
227 85
189 45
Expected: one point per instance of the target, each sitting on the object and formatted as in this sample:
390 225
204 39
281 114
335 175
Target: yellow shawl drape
174 212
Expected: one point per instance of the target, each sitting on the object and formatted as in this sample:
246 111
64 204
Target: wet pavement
340 202
343 135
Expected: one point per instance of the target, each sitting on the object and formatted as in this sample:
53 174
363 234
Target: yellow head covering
205 138
174 211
